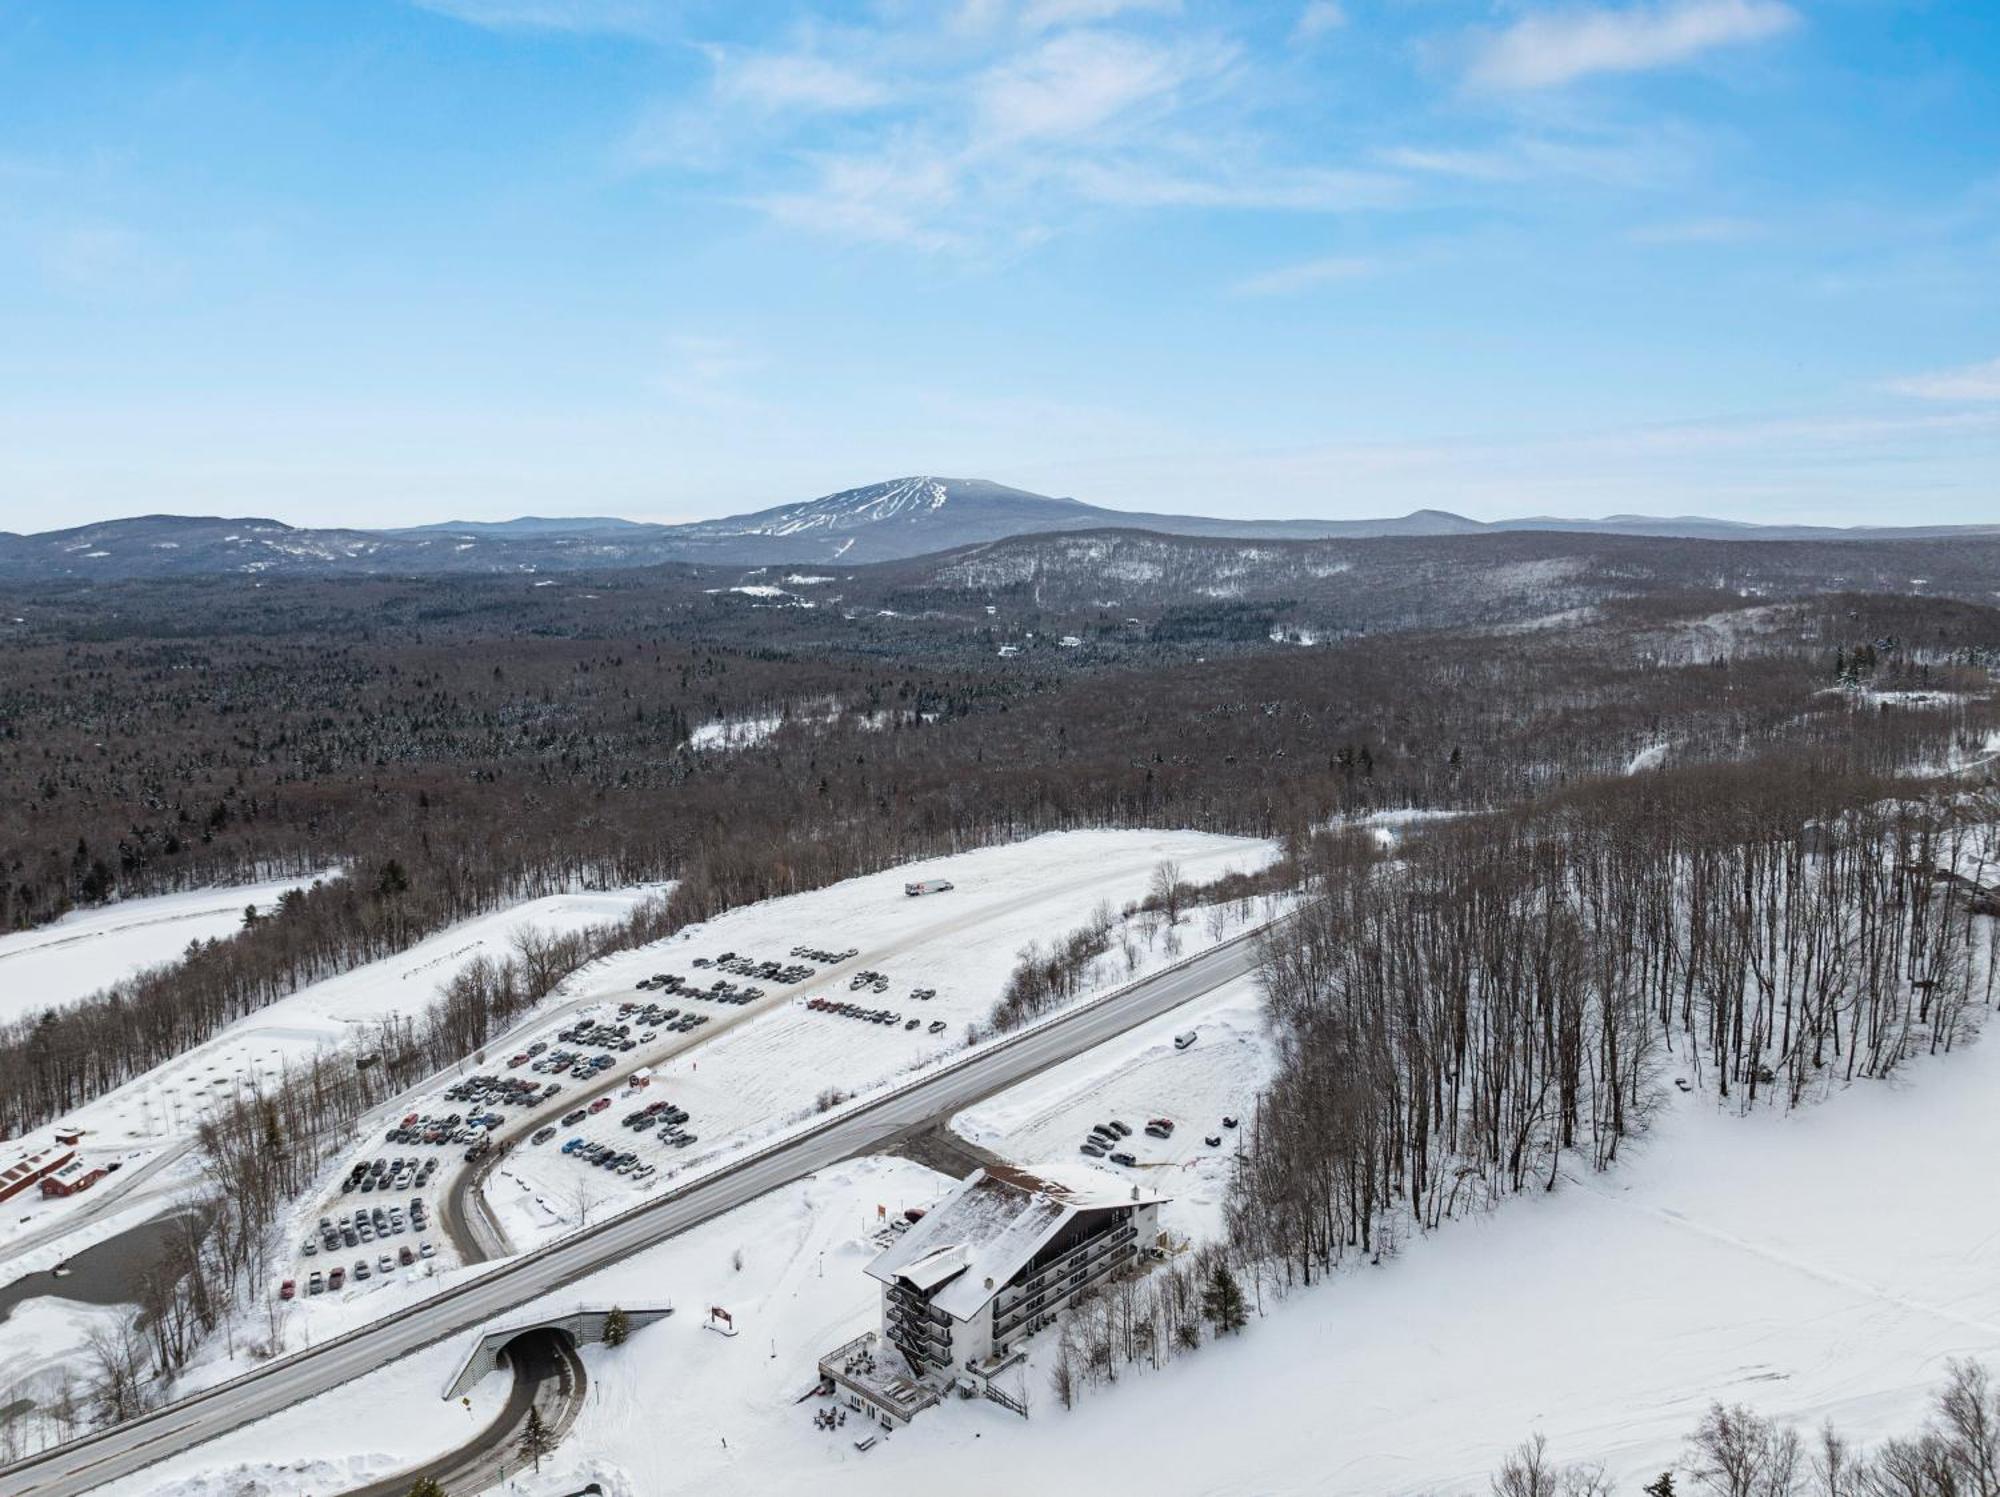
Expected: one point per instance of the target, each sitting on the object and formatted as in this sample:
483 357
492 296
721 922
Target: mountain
529 526
891 521
1703 528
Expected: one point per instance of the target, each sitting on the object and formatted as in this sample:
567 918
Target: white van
1182 1041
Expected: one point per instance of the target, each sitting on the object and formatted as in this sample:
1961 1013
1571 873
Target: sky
375 262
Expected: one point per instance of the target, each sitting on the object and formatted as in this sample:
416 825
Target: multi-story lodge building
987 1267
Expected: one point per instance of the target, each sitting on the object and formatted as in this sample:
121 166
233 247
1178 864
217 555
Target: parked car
543 1135
316 1284
335 1279
600 1104
288 1289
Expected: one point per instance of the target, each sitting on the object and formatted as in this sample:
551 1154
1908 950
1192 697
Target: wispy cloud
1287 280
1042 14
1970 384
781 81
1549 48
647 18
992 144
1080 81
1318 19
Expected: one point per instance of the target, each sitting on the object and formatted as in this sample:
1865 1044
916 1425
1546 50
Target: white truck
927 886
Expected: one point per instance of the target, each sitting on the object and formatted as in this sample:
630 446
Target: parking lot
359 1230
592 1048
753 1019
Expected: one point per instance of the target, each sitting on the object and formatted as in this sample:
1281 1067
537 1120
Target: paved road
89 1462
466 1216
549 1375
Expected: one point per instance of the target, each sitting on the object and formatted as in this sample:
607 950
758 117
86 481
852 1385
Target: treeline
63 1057
132 765
1736 1452
1455 1023
1045 978
265 1149
1144 1321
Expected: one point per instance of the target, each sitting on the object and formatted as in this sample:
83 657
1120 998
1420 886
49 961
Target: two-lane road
96 1459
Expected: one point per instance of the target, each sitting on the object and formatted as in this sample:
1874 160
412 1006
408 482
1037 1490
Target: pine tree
617 1326
1664 1487
1222 1301
537 1439
427 1486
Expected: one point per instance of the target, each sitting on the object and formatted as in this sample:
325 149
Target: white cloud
1971 383
1077 81
623 17
905 196
1048 14
1305 275
778 81
1221 183
1554 47
1319 18
987 129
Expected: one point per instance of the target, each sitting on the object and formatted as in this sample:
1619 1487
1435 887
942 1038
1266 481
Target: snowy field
755 1067
1819 1265
147 1124
739 1082
354 1435
88 950
1139 1076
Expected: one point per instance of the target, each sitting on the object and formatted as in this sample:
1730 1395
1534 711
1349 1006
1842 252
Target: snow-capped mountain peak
909 500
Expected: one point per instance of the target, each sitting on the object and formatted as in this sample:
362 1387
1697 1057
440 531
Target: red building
31 1168
73 1179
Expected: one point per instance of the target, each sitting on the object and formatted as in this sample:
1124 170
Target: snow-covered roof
981 1235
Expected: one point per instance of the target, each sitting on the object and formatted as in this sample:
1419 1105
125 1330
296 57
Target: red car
519 1060
600 1104
287 1289
335 1279
410 1121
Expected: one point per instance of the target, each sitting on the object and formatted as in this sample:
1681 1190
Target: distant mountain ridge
889 521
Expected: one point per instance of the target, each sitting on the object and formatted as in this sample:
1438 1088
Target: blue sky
375 261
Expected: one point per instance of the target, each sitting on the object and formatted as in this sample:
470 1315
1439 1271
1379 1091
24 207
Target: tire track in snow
1860 1288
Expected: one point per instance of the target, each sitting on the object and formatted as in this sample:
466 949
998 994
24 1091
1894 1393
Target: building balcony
1044 1279
1081 1276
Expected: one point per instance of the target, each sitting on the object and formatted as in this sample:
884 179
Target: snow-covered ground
1822 1264
157 1114
1140 1076
747 1072
397 1418
88 950
754 1068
